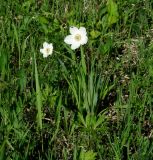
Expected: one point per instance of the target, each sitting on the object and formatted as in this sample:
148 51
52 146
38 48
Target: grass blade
38 97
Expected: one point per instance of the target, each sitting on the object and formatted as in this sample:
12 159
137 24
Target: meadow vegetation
92 103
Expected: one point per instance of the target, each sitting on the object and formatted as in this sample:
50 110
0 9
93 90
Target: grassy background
92 103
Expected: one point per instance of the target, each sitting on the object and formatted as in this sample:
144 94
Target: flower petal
51 47
75 46
68 39
51 52
84 40
45 55
42 51
73 30
83 31
45 44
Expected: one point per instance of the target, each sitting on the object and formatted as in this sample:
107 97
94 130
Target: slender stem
83 62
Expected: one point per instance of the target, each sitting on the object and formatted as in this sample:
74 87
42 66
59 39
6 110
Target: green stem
83 62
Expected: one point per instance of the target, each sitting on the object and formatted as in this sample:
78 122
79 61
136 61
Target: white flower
77 37
47 49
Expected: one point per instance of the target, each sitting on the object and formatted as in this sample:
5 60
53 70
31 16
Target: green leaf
107 46
113 15
3 85
26 5
95 34
99 121
2 150
38 96
22 79
43 20
88 120
89 155
81 119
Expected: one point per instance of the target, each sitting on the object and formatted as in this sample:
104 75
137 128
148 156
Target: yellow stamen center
47 50
77 37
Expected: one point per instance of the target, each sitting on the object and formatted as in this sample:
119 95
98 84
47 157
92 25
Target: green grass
89 104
